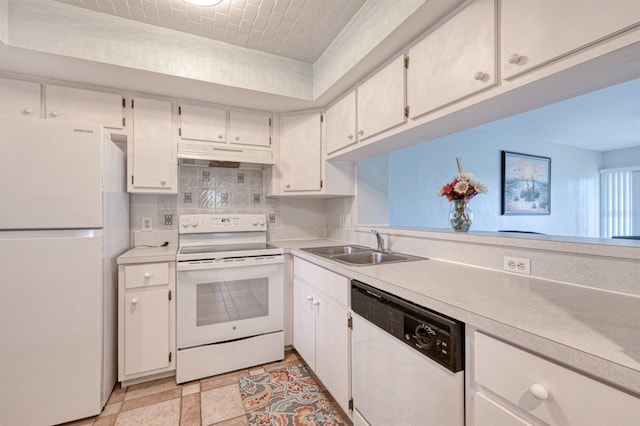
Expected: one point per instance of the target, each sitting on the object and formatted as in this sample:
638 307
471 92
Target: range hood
205 154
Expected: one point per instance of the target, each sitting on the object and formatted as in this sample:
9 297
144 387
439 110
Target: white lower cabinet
146 321
508 386
321 333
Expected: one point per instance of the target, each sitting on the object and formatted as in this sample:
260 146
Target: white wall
49 26
626 157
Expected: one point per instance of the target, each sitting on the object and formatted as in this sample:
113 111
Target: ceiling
603 120
296 29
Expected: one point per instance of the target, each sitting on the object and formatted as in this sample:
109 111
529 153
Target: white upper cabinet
535 32
251 128
382 101
152 152
456 60
341 123
19 97
301 152
203 123
87 106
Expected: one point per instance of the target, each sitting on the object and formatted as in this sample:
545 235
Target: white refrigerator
64 218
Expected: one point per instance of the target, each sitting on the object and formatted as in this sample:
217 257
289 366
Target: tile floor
209 401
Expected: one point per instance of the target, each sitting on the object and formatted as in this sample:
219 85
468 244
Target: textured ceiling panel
297 29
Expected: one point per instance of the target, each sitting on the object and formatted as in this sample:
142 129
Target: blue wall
416 173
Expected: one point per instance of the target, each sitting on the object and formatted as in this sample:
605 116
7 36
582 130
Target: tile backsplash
223 190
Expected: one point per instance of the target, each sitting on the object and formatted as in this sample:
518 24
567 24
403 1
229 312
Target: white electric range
229 296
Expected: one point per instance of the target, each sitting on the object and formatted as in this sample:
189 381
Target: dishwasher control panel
429 338
434 335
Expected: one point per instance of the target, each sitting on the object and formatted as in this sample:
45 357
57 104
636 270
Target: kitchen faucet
379 239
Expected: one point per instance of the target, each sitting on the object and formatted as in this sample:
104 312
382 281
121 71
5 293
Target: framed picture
526 184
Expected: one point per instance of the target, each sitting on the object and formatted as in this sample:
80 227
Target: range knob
185 222
194 222
261 220
254 221
423 335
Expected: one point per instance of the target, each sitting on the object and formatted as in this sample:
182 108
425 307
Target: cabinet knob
288 185
237 138
54 114
220 136
350 137
134 301
147 274
309 298
27 111
163 181
516 59
316 302
480 76
361 132
539 391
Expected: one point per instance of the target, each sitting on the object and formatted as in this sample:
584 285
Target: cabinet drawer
333 285
487 412
511 374
148 274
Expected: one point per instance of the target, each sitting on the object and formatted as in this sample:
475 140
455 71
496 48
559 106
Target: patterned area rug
288 396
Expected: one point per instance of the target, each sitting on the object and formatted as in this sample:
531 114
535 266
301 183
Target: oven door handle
195 265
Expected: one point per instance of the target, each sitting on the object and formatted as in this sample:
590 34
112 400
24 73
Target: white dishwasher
407 362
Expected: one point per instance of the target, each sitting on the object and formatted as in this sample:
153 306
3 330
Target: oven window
226 301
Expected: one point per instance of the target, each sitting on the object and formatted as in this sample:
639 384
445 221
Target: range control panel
201 223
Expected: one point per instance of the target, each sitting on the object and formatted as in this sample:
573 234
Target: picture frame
526 184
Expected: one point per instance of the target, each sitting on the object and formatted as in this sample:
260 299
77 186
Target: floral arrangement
462 187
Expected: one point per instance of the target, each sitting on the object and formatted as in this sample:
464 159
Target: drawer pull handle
147 275
316 302
539 391
309 298
134 301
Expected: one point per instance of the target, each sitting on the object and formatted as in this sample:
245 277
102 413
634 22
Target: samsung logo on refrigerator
83 131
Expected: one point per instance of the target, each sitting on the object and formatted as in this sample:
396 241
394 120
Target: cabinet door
146 330
455 61
304 334
19 97
535 32
332 349
301 152
381 100
341 123
203 124
154 151
250 128
88 106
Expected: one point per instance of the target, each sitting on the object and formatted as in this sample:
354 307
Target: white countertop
143 254
591 330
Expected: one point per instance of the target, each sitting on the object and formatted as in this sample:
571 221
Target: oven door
229 299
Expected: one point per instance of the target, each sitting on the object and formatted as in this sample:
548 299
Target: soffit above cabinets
295 29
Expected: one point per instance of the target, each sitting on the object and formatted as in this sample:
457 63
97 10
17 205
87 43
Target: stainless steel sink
369 258
333 250
359 256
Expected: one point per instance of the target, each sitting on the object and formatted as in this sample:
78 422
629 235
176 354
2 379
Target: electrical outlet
272 218
168 219
518 265
147 224
347 221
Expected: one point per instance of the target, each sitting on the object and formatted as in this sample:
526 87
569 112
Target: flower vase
460 215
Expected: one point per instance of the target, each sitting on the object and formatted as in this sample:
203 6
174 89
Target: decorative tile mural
222 190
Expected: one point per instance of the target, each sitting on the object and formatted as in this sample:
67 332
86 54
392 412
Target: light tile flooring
209 401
